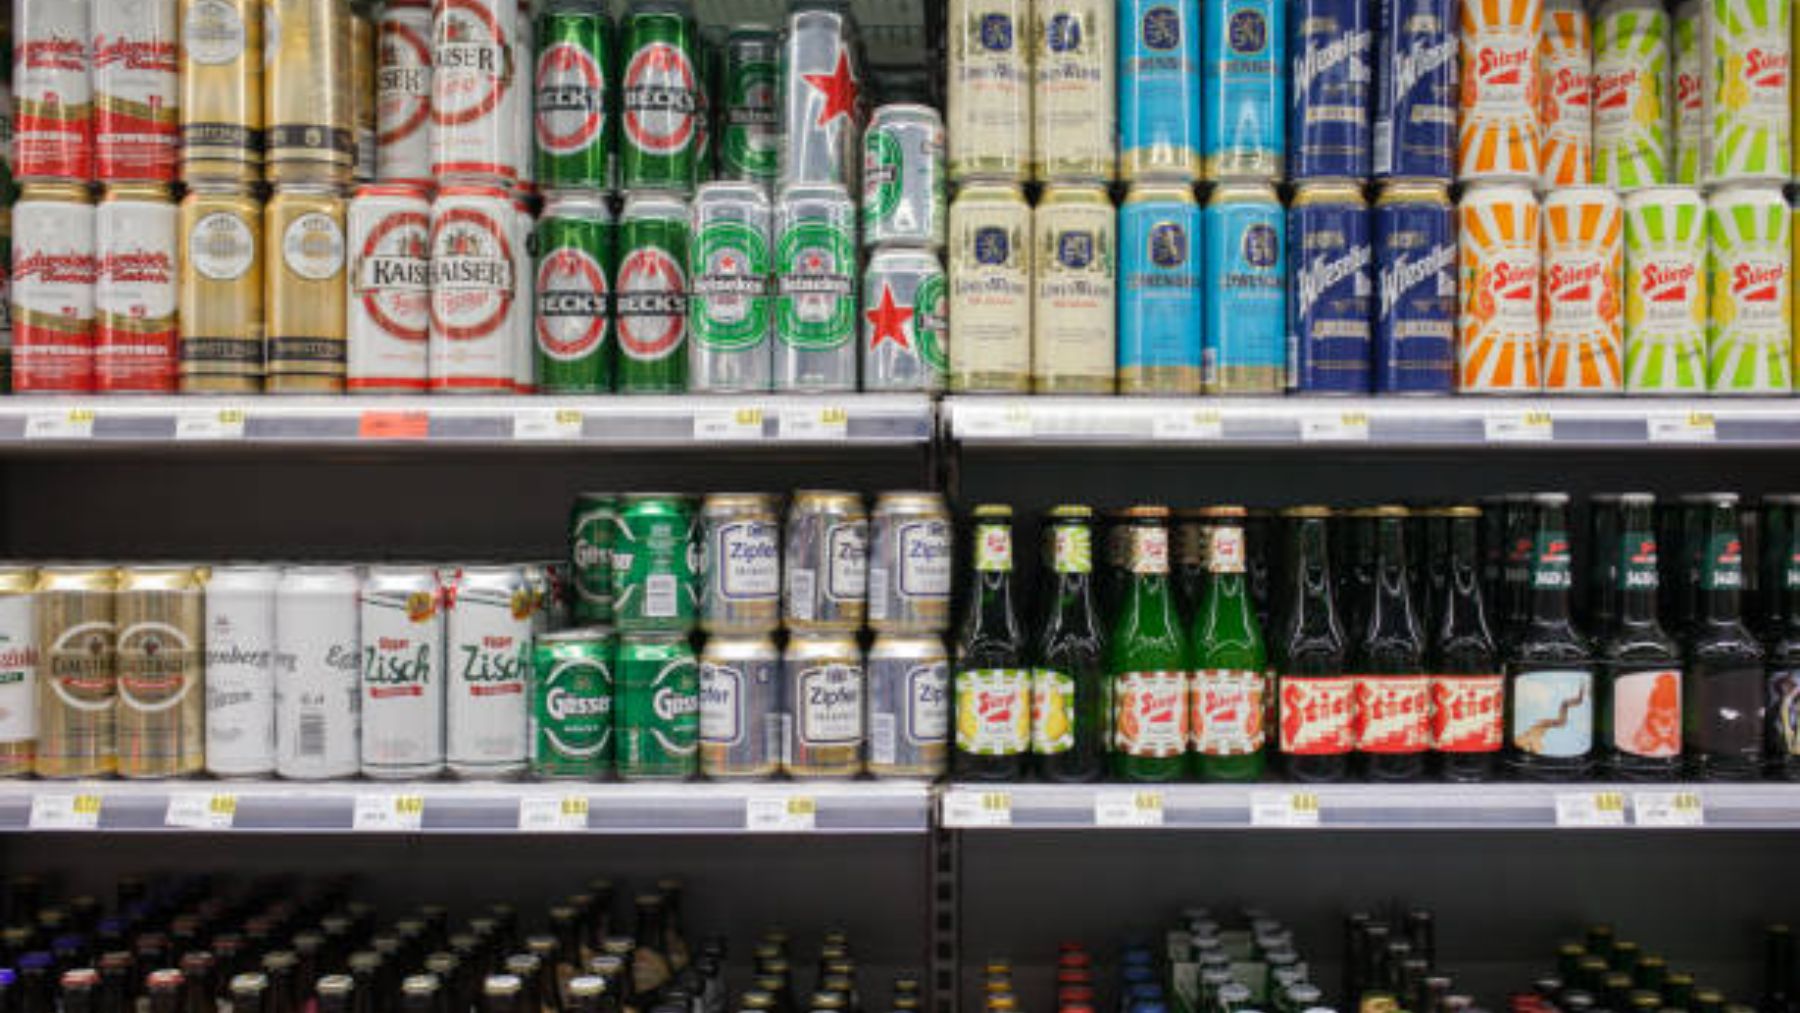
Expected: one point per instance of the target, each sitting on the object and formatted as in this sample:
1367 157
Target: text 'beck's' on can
136 255
78 680
53 270
909 709
221 293
903 176
650 295
488 649
390 288
403 92
827 559
403 665
729 309
909 563
821 95
1415 314
740 707
989 266
572 703
593 525
1331 298
575 246
318 683
18 670
575 77
1074 309
741 563
160 615
654 561
240 671
750 139
307 96
815 289
660 97
905 321
1159 290
823 683
304 291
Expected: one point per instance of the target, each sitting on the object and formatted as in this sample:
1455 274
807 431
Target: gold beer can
78 687
221 90
221 296
18 669
307 91
160 616
303 246
362 88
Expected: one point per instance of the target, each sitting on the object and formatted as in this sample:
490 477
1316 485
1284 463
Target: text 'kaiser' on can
390 288
473 288
403 92
472 74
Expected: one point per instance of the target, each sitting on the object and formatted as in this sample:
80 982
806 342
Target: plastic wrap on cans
1584 266
1498 238
1693 69
1417 87
160 615
576 245
740 707
18 670
1749 90
1665 291
472 291
826 562
77 689
1160 267
1750 337
1331 303
220 303
390 288
487 634
221 80
308 108
909 563
136 91
471 74
815 289
53 269
403 667
650 294
572 703
822 688
989 270
1074 309
1566 94
1159 89
53 92
730 313
660 81
1245 332
1331 52
593 525
240 671
1243 121
318 684
904 321
403 92
1415 318
573 140
1499 133
304 291
521 317
136 252
989 85
1632 119
903 177
909 710
1073 66
749 125
740 583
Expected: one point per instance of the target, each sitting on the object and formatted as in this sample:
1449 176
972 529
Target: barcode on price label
780 814
1590 809
1128 809
385 812
1668 809
201 810
1284 809
553 814
64 812
978 809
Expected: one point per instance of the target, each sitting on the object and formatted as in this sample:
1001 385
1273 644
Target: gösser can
654 561
318 686
78 681
815 289
1073 307
221 296
390 288
305 295
18 670
1333 288
657 708
402 672
136 258
593 524
53 270
741 563
729 321
160 615
827 562
240 671
909 563
473 289
740 712
1159 290
1415 319
488 655
572 703
903 321
909 709
1246 311
822 685
990 289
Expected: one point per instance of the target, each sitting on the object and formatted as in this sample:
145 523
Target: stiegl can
740 588
403 667
903 176
220 302
308 103
989 267
655 557
136 91
593 524
1073 66
18 670
77 688
1692 58
729 309
136 251
822 686
221 80
390 288
909 706
740 708
1566 95
572 703
1633 143
1665 291
576 247
487 636
240 671
1074 310
821 119
403 92
909 563
1750 340
827 561
989 86
160 616
305 294
1499 129
657 708
1584 266
815 289
53 268
473 289
1499 311
904 321
318 684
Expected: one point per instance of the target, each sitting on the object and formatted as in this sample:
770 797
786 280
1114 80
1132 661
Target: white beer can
488 657
18 669
53 90
474 115
474 285
137 57
390 287
403 92
136 327
318 688
53 290
402 673
240 671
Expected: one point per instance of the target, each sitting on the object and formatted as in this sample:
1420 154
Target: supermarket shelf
460 808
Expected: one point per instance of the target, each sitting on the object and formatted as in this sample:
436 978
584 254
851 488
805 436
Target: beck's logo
659 99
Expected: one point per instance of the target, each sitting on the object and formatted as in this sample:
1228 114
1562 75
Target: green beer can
749 141
593 523
658 711
572 703
660 97
654 560
650 295
573 140
573 332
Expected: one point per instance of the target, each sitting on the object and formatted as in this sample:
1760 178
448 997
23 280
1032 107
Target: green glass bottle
1229 691
1147 659
1640 670
1550 666
993 684
1068 717
1723 696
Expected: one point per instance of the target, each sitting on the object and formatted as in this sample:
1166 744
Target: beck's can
240 671
136 91
909 710
821 118
904 321
909 563
593 524
403 92
473 289
1566 95
403 668
1415 313
136 252
1246 314
1159 90
318 689
815 289
1633 145
654 559
390 288
1331 50
903 176
78 678
660 97
826 553
221 103
656 708
749 134
1331 302
576 74
729 308
308 105
1243 57
18 670
1750 339
53 268
989 109
305 294
1073 67
160 616
575 246
740 712
1498 318
1499 130
572 703
1074 309
650 294
472 76
1665 291
1584 267
990 289
220 302
53 91
1416 90
740 583
822 687
487 647
1159 299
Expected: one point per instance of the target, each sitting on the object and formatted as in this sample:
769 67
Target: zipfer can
160 615
220 303
1499 311
729 308
221 103
1246 312
472 74
572 703
575 245
654 563
822 685
740 712
487 649
650 294
18 670
305 295
1330 305
989 270
1566 95
473 288
573 139
1243 59
403 92
240 670
740 588
53 270
593 525
660 94
903 176
656 708
1074 305
749 127
1416 89
77 690
1331 50
1665 291
136 254
53 92
826 554
390 288
1073 67
136 91
403 669
905 321
909 706
1160 255
1159 90
815 289
988 114
909 563
1415 316
318 690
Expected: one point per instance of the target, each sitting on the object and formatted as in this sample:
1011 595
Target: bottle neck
990 592
1789 567
1722 568
1225 561
1312 608
1392 611
1550 579
1462 613
1636 567
1071 562
1148 608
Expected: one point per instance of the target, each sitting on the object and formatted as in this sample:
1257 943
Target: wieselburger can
740 589
827 557
909 709
822 693
740 707
909 563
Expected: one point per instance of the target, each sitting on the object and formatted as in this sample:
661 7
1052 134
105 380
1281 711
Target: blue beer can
1243 122
1331 300
1159 290
1333 83
1159 89
1245 350
1415 312
1415 89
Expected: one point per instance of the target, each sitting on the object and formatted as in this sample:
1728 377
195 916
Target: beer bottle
1468 691
1640 665
650 969
549 983
674 932
1778 970
565 928
1147 658
1783 707
1228 692
585 994
1258 558
501 993
199 994
420 993
1604 520
250 993
993 684
1316 700
1515 574
334 991
1393 693
1188 535
78 991
1067 724
1724 689
1550 668
1356 568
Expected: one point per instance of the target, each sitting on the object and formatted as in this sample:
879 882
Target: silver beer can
240 671
521 320
750 124
390 288
905 326
403 92
827 562
402 673
740 711
729 322
740 588
909 563
537 582
487 635
823 711
909 708
318 684
821 115
815 289
903 177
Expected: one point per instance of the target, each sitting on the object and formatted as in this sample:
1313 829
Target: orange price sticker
394 426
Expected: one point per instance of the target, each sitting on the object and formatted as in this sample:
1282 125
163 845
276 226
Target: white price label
1187 425
201 810
385 812
64 812
780 814
1128 809
964 808
1668 809
1519 427
729 424
547 424
1682 427
1590 809
552 814
1343 427
67 424
1284 809
209 424
830 422
1012 422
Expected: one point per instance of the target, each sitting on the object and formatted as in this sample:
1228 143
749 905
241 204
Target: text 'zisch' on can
221 90
136 99
1160 253
318 670
827 559
905 321
909 563
160 616
909 710
1074 309
989 267
740 712
390 288
403 668
729 308
822 685
19 659
572 703
740 589
220 303
53 269
78 681
305 294
135 324
240 671
487 634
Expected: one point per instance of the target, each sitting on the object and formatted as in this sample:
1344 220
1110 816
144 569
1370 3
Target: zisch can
740 584
740 712
403 92
390 288
318 690
473 289
403 672
1749 91
1332 299
137 253
826 553
53 92
487 636
1665 291
136 91
240 671
1074 308
909 563
160 616
1584 266
221 105
304 291
53 268
822 684
78 679
1498 312
220 303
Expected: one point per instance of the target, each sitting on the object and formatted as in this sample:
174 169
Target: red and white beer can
136 318
521 116
1584 275
1499 129
1498 247
1566 95
53 91
474 284
53 290
137 91
403 92
474 120
390 287
521 322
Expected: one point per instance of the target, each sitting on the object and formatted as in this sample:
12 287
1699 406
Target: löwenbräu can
575 244
729 309
1243 124
989 267
1074 312
1159 90
78 685
220 301
740 708
1330 301
909 706
1160 254
593 525
989 85
160 615
822 685
826 551
740 563
318 672
403 668
657 708
1073 68
903 176
650 294
576 75
1246 312
653 560
659 97
572 703
904 321
487 635
815 289
305 295
240 671
1415 316
909 563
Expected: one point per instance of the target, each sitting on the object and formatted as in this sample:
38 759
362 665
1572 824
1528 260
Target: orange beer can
1566 95
1500 130
1499 328
1584 269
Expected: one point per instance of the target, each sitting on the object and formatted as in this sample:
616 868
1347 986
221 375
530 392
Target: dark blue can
1415 313
1331 54
1415 89
1331 290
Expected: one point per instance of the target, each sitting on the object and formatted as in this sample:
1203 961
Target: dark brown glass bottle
1393 691
1724 692
1315 698
993 681
1782 737
1468 687
1639 684
79 991
1550 670
650 968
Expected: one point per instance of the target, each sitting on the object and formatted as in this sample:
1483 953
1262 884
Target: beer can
593 524
1566 95
1073 66
472 73
487 637
136 91
904 321
318 691
821 113
729 309
575 77
572 703
1331 50
53 92
473 289
709 55
6 296
403 92
304 291
740 709
909 563
1074 309
903 176
1330 306
822 688
77 690
909 706
656 708
1245 330
750 137
136 253
1159 90
1632 146
1415 320
575 245
403 669
390 288
990 289
363 112
1693 70
650 294
1243 54
1749 91
1159 290
1499 135
1416 90
1584 268
307 106
220 301
740 563
1665 291
655 556
221 81
160 613
537 582
826 562
521 316
240 670
989 113
1750 333
516 104
53 268
660 98
1497 236
18 670
815 289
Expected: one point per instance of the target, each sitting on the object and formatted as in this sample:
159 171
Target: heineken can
749 121
728 308
573 143
821 91
904 323
909 563
740 588
240 671
488 645
990 290
740 713
822 691
574 244
650 294
903 176
909 706
709 54
317 673
815 289
657 712
826 555
653 563
572 703
402 672
659 98
989 85
593 524
160 613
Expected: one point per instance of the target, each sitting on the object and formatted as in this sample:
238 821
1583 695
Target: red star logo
888 320
839 89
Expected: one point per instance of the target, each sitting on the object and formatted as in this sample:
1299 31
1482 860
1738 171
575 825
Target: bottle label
1550 561
1784 705
1637 561
1553 713
1728 704
1148 550
1072 549
1468 713
993 711
1052 712
1225 549
1646 713
1393 713
1318 715
1150 713
1723 569
993 548
1227 718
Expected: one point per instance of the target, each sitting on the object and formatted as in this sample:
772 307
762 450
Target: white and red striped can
53 90
136 320
519 97
1566 95
474 128
137 89
390 287
1582 289
474 284
1499 128
403 92
53 290
521 322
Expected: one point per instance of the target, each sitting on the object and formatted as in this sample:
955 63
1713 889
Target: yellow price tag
87 805
1114 808
802 805
1306 802
752 416
409 805
81 416
834 416
575 806
222 804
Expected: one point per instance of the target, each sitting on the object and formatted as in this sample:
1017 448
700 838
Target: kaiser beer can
487 634
1749 91
1415 317
137 61
1331 51
1499 134
1416 90
473 289
749 125
909 563
221 80
990 289
1498 316
593 524
826 571
576 246
904 321
472 75
903 176
729 308
18 670
660 97
305 294
1692 59
1665 291
1632 142
1243 53
657 708
821 96
160 616
1074 310
1160 255
1331 304
651 294
823 688
1566 95
1073 65
815 289
53 91
1750 337
240 670
573 139
572 703
740 562
53 269
1584 268
989 110
137 253
403 92
655 556
516 111
220 301
307 98
77 691
390 288
1245 330
1159 89
740 710
318 686
403 668
909 710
